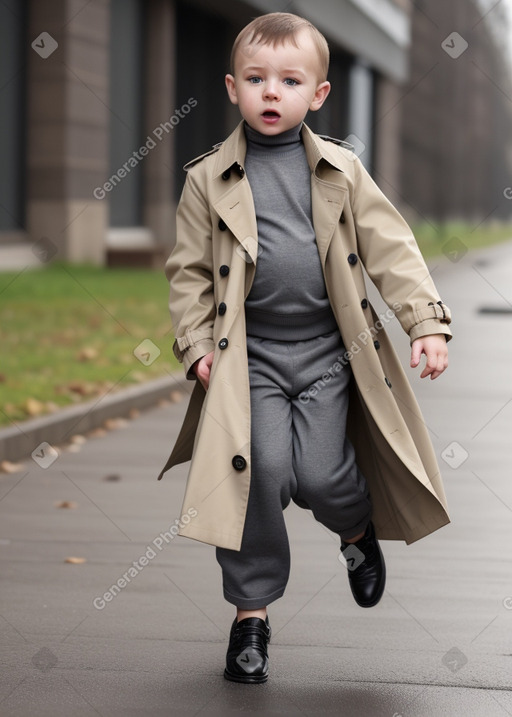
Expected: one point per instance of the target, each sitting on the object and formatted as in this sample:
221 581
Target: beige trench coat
213 263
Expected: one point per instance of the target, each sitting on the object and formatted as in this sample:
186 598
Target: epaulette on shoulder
341 142
214 149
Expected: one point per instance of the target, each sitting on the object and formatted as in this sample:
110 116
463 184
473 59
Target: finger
416 354
441 367
430 367
439 364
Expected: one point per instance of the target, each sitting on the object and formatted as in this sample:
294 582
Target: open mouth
271 114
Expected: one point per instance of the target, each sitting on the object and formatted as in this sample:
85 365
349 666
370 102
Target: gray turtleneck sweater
288 300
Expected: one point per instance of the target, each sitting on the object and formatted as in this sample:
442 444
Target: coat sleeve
394 262
189 270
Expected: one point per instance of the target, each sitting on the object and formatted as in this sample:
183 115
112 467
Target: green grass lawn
68 334
437 240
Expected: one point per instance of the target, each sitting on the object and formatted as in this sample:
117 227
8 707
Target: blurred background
103 101
436 125
101 104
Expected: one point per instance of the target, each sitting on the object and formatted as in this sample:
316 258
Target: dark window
332 118
126 109
12 114
202 60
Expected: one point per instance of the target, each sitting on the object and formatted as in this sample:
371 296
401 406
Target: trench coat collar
233 149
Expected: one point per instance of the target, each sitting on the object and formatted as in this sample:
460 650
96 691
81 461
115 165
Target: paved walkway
439 642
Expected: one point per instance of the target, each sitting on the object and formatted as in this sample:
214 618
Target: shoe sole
249 679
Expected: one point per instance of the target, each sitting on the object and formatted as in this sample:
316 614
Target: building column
361 111
68 125
160 92
388 141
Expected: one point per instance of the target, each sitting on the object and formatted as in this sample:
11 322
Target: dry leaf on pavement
9 467
75 561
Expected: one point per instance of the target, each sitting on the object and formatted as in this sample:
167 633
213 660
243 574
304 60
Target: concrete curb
19 440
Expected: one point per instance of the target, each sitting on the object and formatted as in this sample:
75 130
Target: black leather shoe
247 658
366 568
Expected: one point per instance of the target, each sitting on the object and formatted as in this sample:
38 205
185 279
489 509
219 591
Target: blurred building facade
456 139
102 102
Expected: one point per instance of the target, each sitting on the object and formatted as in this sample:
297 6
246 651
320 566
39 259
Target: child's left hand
435 348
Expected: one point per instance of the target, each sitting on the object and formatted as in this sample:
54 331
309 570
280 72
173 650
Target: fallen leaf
113 423
176 396
112 477
73 448
66 504
79 387
88 354
33 407
104 388
97 433
78 439
75 561
9 467
133 413
2 378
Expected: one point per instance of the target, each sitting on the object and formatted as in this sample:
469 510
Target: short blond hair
276 28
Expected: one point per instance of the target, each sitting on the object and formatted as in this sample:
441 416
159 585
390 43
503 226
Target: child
268 302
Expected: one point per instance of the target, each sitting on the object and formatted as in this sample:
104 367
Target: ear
320 95
230 86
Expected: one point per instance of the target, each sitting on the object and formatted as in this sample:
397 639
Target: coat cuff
192 353
433 311
428 327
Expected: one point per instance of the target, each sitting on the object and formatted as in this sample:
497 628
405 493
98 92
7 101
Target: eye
290 82
254 80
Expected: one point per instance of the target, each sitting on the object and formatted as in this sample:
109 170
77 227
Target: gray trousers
299 451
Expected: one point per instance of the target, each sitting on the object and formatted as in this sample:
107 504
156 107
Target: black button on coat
239 463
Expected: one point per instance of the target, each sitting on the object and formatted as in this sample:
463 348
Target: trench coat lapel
327 204
328 190
235 206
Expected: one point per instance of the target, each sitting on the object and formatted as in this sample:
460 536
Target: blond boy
271 319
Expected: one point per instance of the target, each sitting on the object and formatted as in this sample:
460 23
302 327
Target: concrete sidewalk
437 644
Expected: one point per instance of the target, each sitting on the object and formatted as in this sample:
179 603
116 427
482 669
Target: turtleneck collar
281 142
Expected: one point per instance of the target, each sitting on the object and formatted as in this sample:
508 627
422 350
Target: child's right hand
202 368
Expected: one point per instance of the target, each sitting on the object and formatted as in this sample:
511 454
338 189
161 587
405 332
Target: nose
271 91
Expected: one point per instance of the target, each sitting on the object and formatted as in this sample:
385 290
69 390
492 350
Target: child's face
274 87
